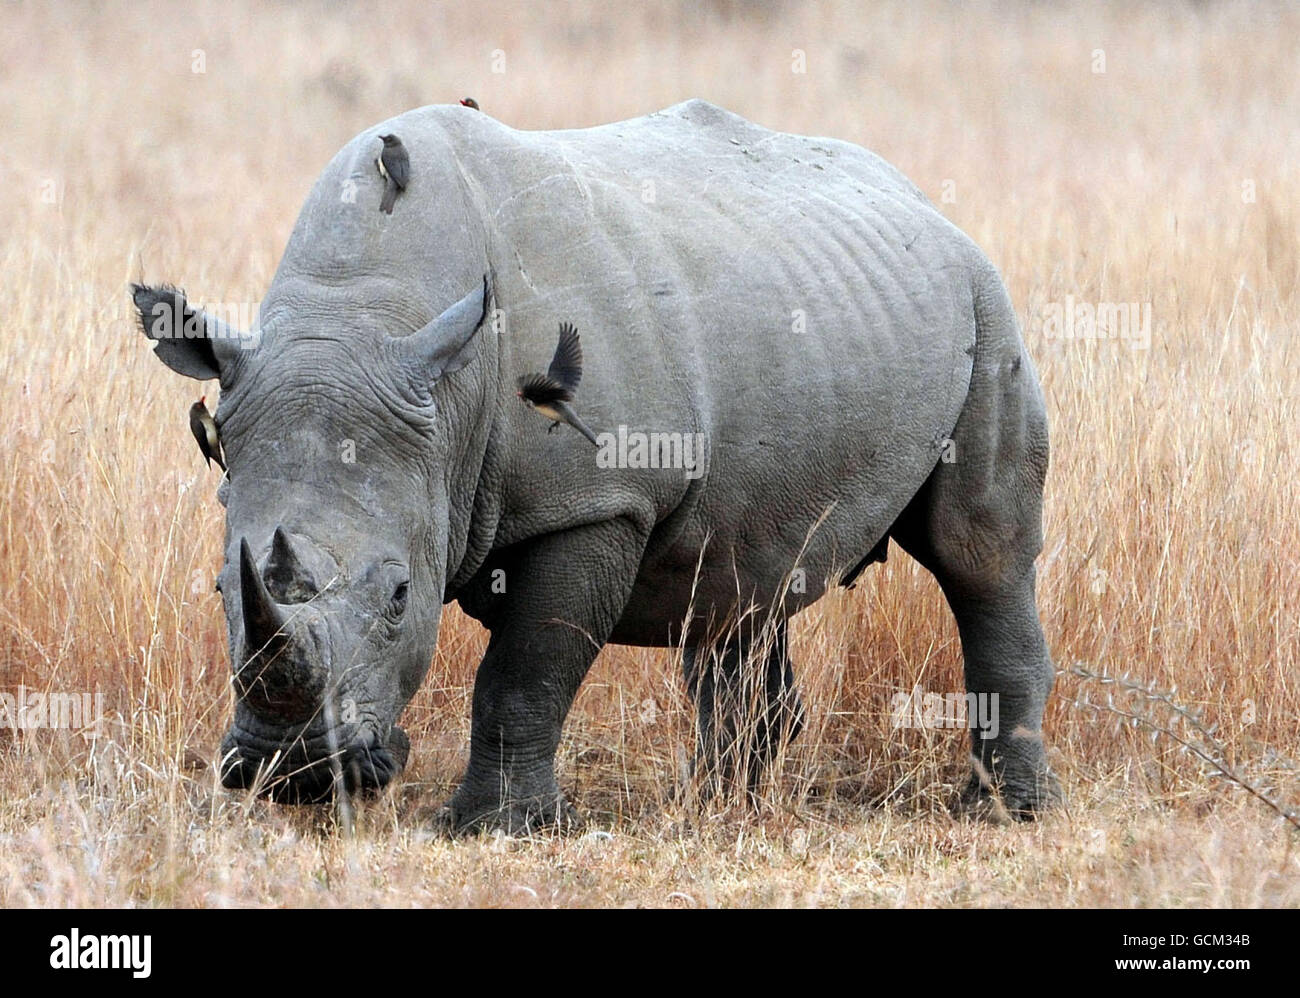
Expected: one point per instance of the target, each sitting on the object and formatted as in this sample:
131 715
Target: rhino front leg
563 594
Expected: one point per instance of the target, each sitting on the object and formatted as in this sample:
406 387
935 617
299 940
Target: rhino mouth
303 765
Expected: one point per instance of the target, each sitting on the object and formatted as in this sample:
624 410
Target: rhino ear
188 341
443 346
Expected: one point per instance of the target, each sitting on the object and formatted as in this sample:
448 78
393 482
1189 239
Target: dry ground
1094 152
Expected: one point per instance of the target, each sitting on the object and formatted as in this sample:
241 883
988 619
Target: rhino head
338 537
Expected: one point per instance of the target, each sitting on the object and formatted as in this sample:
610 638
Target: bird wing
542 388
399 165
566 365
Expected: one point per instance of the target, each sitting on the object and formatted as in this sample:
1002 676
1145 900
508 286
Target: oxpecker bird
551 393
395 167
470 102
204 428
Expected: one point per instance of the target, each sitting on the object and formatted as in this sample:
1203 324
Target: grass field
1098 154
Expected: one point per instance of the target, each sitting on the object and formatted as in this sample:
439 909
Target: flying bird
204 428
470 102
395 167
551 393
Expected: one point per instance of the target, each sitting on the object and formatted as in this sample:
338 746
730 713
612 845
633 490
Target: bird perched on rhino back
551 393
470 102
394 166
204 428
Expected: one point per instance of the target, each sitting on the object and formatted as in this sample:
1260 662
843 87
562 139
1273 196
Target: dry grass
1171 512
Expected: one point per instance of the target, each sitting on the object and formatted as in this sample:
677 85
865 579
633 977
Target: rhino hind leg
563 594
747 707
976 525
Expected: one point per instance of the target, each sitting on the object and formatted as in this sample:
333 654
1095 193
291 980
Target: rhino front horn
263 620
281 677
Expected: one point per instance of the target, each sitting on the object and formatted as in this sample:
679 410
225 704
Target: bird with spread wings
551 393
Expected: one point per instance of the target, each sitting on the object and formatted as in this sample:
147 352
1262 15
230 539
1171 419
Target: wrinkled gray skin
794 299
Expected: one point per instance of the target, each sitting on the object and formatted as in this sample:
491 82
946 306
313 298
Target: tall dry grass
1172 536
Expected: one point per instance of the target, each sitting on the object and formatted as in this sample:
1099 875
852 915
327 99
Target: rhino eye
397 605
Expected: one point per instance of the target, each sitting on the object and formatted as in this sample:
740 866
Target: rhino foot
467 815
1004 799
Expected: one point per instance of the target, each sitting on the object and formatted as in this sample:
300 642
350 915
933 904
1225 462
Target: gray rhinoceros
847 362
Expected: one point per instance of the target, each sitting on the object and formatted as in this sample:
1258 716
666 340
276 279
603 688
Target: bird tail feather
572 419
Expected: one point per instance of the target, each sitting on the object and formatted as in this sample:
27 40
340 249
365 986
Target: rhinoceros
791 356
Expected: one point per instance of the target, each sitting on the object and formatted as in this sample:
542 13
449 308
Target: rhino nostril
363 741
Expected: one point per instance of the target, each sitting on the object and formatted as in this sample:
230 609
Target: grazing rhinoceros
828 362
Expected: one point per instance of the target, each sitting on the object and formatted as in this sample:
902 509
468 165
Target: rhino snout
297 767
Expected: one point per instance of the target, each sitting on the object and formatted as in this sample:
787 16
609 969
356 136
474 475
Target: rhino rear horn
288 580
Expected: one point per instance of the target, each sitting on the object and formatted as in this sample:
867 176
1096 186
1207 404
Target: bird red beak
202 398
